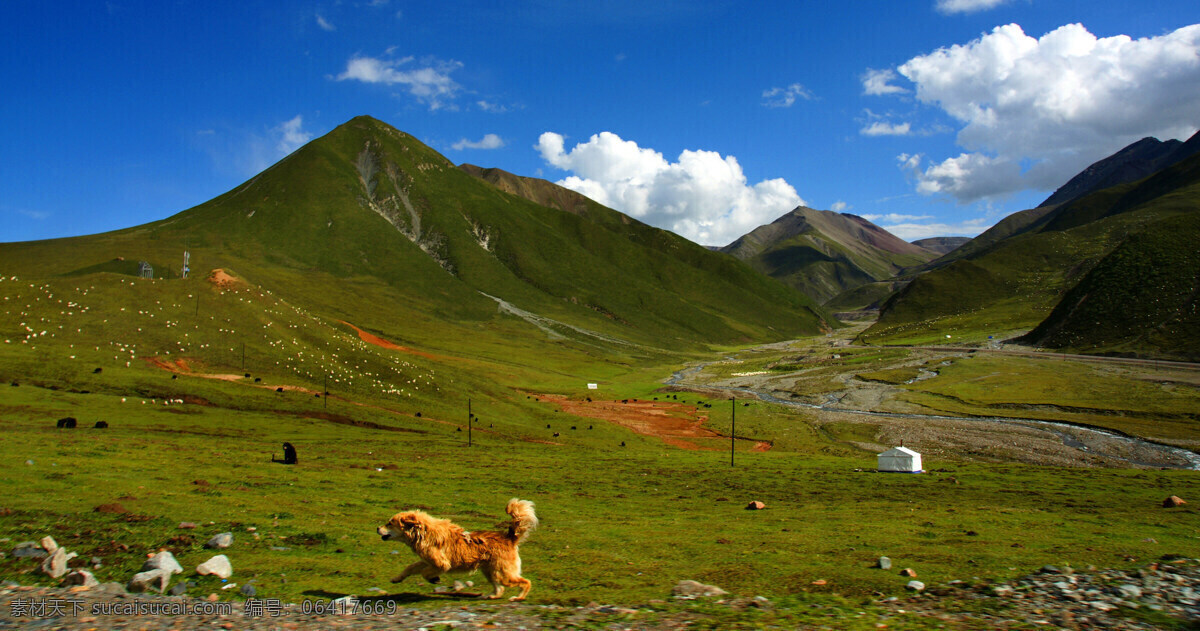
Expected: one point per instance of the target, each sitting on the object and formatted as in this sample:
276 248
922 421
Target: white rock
163 561
55 565
218 565
158 578
49 544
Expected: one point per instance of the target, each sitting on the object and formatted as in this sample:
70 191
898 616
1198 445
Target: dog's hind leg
420 567
524 584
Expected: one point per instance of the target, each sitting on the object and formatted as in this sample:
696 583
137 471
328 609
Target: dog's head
405 526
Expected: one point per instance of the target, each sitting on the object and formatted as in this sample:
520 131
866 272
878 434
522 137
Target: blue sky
929 117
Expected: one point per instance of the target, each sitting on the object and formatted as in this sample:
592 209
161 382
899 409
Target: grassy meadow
619 524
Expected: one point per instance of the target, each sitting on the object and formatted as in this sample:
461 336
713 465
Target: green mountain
1112 271
368 225
823 253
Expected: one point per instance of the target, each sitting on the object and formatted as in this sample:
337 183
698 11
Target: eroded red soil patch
674 423
370 338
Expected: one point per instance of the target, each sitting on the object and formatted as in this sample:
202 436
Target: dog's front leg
420 567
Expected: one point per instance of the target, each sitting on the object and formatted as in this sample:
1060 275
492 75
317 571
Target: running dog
445 547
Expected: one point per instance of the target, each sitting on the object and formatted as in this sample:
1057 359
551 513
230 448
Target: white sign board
593 386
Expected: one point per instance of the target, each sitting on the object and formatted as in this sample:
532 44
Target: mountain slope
823 253
1144 294
367 217
1137 161
1038 266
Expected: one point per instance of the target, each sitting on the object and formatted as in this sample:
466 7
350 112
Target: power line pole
470 417
732 428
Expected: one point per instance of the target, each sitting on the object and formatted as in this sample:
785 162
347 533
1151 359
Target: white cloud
839 206
702 196
911 230
489 141
429 82
884 128
879 82
966 6
291 136
785 97
324 24
894 218
1053 104
495 108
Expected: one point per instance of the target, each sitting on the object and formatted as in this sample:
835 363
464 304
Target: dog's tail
523 519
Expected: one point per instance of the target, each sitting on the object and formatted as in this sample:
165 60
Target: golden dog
445 547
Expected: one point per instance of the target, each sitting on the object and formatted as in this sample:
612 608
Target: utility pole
732 428
470 417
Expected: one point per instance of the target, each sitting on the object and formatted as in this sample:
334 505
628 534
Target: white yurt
900 460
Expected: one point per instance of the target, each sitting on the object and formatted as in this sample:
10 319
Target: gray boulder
29 550
915 586
884 563
223 540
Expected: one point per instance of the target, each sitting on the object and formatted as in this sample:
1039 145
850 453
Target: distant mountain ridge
1134 162
825 253
941 245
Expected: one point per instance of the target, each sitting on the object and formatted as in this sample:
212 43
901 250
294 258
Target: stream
679 378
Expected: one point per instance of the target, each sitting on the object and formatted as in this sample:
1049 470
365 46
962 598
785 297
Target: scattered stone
689 590
56 564
81 577
218 565
186 525
95 562
179 589
285 549
223 540
163 561
916 586
29 462
884 563
909 572
114 507
755 505
28 550
1173 501
49 544
213 597
142 581
459 586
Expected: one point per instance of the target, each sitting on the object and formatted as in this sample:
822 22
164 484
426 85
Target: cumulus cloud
494 108
884 128
428 81
324 24
966 6
879 82
839 206
1036 111
702 195
785 97
489 141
